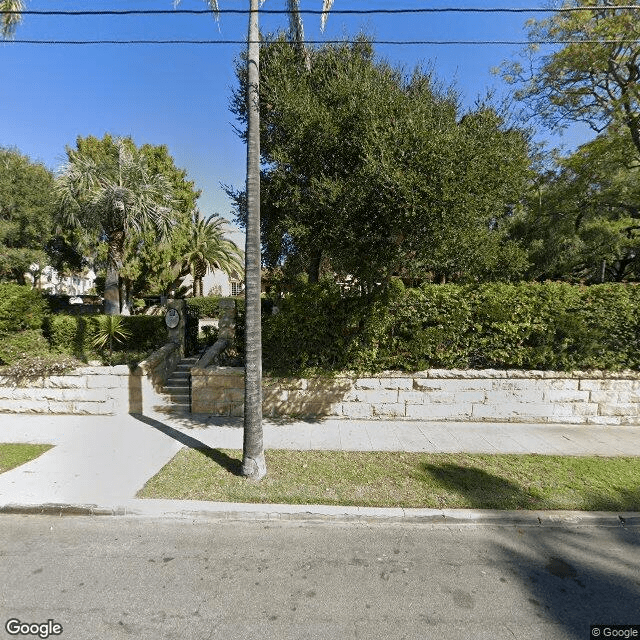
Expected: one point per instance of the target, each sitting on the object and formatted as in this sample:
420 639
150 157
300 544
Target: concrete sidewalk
99 463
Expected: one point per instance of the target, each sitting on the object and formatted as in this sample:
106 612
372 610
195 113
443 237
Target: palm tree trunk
253 461
112 281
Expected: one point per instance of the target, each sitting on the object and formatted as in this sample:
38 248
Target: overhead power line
320 42
129 12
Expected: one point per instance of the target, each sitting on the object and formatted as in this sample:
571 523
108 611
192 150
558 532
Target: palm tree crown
208 249
113 193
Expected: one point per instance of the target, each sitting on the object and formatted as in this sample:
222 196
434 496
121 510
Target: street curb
200 510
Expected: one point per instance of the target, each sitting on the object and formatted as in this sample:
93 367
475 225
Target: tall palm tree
10 17
113 194
209 248
253 461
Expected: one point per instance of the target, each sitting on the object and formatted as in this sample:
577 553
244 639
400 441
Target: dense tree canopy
150 267
582 222
26 214
376 173
595 79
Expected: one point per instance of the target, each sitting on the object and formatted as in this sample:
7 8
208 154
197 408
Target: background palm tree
9 21
113 193
208 249
253 461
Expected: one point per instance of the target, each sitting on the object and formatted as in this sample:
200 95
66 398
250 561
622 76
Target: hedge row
74 335
550 326
204 307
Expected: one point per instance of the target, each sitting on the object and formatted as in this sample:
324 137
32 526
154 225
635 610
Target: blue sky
178 95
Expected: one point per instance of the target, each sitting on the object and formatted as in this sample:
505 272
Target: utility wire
380 42
128 12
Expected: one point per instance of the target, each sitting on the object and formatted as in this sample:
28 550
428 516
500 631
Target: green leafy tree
375 172
107 188
595 79
582 219
26 215
149 267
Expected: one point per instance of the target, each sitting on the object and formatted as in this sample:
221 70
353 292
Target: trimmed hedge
549 326
74 335
204 307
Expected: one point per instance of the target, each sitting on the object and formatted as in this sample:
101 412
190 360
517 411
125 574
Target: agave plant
110 329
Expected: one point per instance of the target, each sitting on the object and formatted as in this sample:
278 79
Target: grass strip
396 479
12 455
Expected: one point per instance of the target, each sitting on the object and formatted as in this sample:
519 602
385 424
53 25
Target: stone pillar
227 321
176 324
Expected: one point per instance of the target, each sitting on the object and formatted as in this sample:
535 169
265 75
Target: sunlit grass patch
396 479
12 455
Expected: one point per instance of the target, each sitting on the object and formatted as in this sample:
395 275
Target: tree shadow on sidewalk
228 463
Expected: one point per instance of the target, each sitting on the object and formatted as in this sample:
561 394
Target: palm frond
210 249
114 193
10 17
326 7
295 21
213 5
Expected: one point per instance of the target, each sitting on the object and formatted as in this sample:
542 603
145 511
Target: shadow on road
568 585
231 465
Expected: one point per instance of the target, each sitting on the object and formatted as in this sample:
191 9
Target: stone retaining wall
485 395
93 390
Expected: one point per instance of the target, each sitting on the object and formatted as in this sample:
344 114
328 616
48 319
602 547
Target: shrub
318 328
71 334
147 332
22 344
39 366
204 307
21 308
553 326
75 335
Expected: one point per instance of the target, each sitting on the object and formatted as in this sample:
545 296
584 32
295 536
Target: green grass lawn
393 479
13 455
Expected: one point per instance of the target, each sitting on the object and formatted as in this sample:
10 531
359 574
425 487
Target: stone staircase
177 388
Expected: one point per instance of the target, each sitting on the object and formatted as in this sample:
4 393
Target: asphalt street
202 578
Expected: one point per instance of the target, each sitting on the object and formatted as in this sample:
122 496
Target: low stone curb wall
592 397
93 390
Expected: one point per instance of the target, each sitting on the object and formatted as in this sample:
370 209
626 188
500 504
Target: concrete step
177 388
176 384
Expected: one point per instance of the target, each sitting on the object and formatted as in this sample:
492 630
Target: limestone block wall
87 390
93 390
448 395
